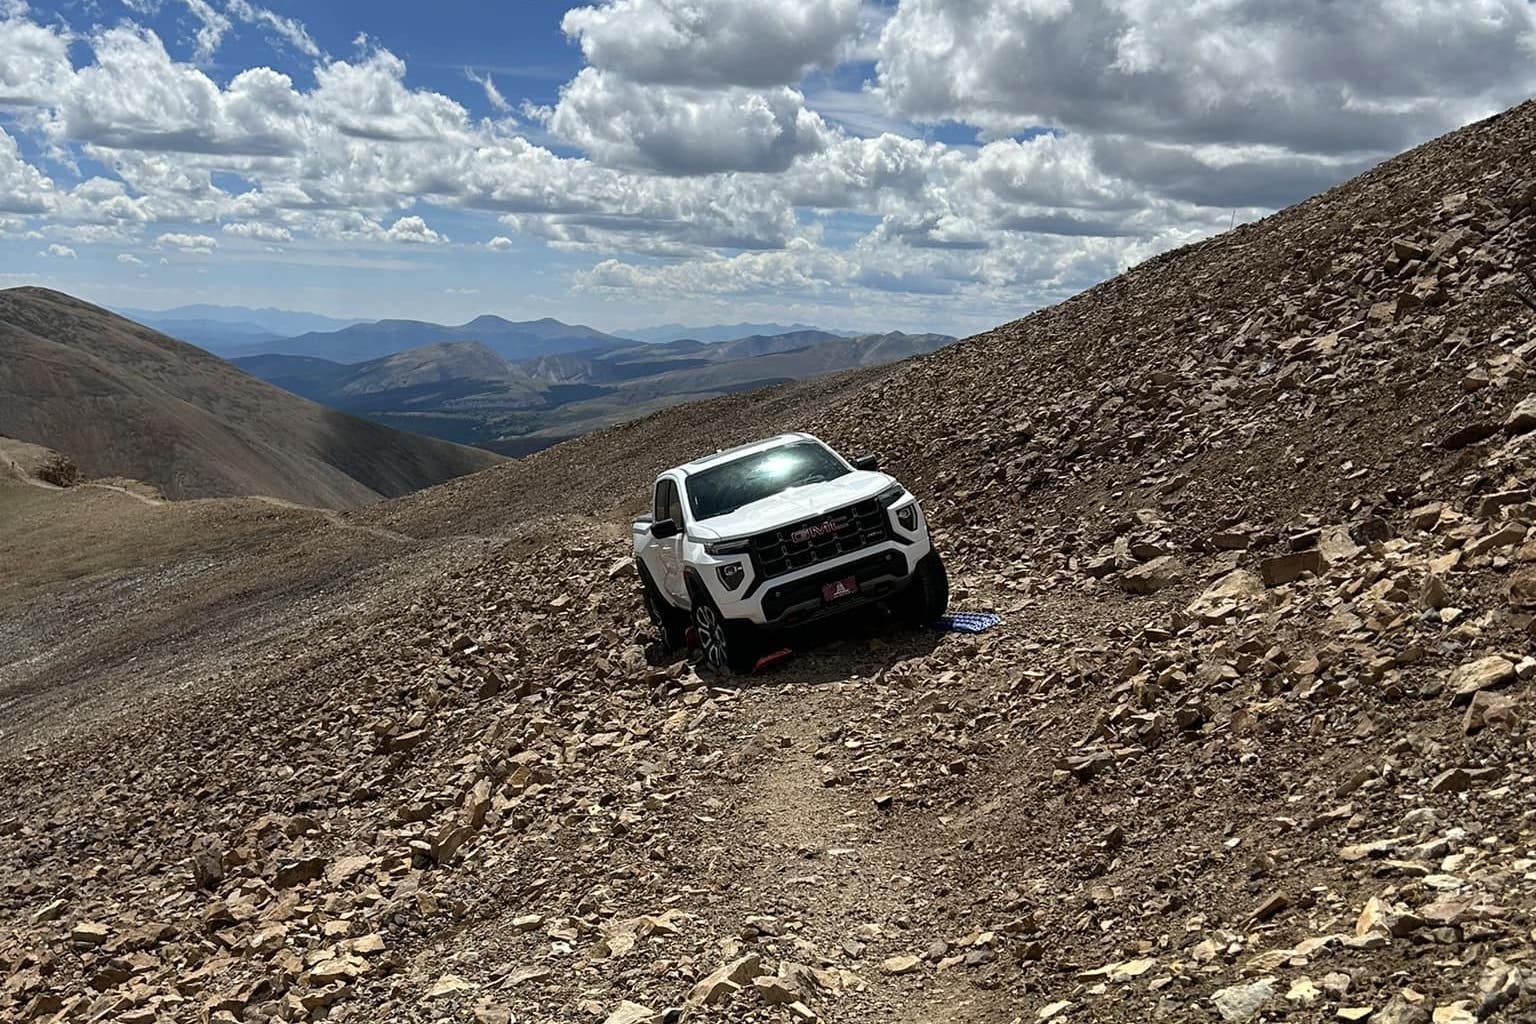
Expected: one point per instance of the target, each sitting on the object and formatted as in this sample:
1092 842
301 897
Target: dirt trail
829 857
24 477
135 495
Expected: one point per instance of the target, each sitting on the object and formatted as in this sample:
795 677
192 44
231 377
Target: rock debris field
1253 742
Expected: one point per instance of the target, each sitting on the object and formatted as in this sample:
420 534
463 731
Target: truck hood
792 506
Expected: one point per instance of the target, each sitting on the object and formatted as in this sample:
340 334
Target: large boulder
1153 576
1237 591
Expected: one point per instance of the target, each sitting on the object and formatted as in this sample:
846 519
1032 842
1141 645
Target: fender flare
695 583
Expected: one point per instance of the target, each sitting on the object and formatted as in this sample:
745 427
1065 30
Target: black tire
726 643
926 595
671 623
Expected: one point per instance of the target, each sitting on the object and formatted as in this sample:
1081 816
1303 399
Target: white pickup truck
778 533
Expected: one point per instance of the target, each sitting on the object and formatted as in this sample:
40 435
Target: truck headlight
728 547
907 517
731 574
891 495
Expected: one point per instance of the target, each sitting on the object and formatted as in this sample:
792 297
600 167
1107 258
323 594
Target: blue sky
916 165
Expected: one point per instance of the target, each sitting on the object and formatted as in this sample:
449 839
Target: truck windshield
725 488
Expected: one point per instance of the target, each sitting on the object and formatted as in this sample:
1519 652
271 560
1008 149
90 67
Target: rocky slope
1252 743
123 400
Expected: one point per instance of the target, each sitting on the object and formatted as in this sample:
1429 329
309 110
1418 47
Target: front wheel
726 643
926 595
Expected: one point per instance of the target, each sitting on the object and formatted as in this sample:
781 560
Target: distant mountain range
124 400
469 392
217 328
244 331
515 386
363 342
722 332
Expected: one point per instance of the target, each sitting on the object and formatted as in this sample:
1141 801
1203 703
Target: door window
666 494
675 506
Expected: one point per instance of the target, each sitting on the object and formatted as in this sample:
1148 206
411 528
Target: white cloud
753 43
290 30
23 188
1345 78
134 97
58 252
258 230
202 245
97 234
211 28
676 130
129 259
103 204
493 95
499 243
370 100
34 61
413 230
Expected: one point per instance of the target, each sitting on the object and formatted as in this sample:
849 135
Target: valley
474 392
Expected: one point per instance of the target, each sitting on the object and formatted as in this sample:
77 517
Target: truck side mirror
869 463
664 528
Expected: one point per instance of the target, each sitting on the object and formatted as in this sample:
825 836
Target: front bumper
881 570
879 575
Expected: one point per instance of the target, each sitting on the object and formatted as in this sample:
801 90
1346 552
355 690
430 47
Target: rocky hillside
1252 743
123 400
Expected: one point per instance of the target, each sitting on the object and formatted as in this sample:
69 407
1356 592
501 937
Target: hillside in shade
123 400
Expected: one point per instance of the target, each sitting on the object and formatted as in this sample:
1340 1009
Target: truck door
675 559
669 552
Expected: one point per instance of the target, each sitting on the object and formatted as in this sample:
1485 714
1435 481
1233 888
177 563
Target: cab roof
729 454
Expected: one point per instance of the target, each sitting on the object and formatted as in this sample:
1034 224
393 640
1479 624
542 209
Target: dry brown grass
52 536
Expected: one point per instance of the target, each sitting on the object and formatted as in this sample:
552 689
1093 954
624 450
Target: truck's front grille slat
847 529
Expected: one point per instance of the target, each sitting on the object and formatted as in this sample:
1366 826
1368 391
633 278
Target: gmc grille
853 528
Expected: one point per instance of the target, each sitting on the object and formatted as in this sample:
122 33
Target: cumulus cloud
258 230
413 230
129 259
368 99
34 61
754 43
203 245
58 252
135 97
23 188
685 131
1297 95
499 243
